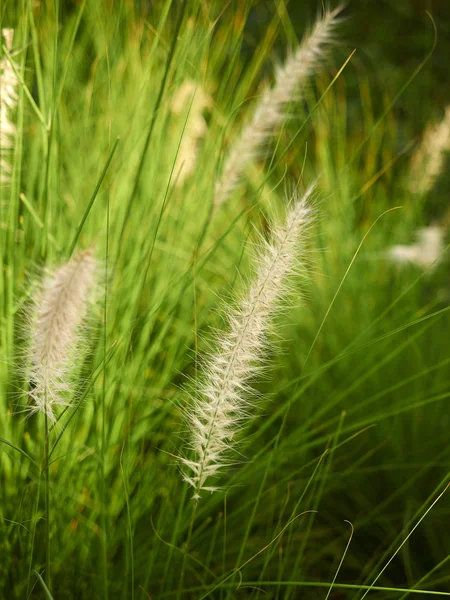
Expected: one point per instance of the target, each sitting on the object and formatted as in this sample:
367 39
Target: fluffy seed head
424 253
223 403
8 103
60 310
270 111
428 160
190 95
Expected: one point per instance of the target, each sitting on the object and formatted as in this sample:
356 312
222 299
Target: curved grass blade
44 587
93 197
11 445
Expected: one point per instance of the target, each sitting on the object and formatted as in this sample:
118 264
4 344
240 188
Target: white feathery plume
424 252
270 111
195 127
224 402
8 102
428 160
60 310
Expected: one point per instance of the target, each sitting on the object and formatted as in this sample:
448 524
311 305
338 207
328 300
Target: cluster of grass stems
224 311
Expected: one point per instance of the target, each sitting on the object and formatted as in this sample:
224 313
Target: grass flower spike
270 112
8 103
191 95
424 253
428 161
59 314
224 401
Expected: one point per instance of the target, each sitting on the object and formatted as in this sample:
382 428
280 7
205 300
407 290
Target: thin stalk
44 587
33 536
186 548
130 528
47 503
103 429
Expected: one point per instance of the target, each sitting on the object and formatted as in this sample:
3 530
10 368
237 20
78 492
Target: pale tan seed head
57 328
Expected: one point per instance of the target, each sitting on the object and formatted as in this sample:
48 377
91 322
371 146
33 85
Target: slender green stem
130 527
47 504
44 587
92 199
186 549
33 535
103 430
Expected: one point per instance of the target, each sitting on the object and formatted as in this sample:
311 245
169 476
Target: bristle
270 112
224 400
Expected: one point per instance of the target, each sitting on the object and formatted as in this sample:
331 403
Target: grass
337 489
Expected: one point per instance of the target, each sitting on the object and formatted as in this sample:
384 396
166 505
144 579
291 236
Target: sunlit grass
352 422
